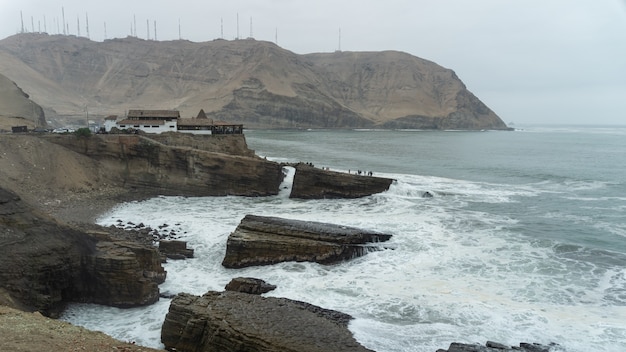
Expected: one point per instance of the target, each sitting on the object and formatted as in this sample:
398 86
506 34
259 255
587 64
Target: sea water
524 239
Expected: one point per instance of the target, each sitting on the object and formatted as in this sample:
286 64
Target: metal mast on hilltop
87 23
251 36
237 25
155 34
45 28
147 29
179 35
105 31
78 25
22 18
221 28
63 14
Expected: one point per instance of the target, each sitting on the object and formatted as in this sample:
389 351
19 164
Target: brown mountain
253 82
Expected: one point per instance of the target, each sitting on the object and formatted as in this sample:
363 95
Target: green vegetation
83 132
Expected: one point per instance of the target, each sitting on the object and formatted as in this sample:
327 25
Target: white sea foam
454 273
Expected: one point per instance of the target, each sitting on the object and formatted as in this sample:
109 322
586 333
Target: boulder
234 321
260 240
314 183
175 249
46 264
249 285
491 346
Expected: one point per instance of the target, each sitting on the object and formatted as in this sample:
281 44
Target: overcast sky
531 61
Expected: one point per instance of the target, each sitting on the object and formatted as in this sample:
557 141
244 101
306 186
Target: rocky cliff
147 166
46 264
16 109
256 83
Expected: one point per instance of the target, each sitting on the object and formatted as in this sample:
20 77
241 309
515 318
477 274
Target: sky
531 61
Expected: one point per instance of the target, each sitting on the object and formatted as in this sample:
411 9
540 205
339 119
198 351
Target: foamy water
458 268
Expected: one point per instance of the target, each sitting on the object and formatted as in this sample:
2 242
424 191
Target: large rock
234 321
262 240
46 264
491 346
249 285
314 183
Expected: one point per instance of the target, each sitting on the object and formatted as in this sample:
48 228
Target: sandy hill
16 109
253 82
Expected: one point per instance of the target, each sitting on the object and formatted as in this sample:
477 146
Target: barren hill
16 109
253 82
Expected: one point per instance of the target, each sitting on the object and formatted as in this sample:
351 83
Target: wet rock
313 183
174 249
491 346
234 321
249 285
262 240
46 264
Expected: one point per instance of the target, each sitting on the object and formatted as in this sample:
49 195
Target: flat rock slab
260 240
234 321
314 183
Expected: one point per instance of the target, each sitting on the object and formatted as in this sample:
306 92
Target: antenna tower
155 36
148 29
78 25
105 31
276 36
237 25
135 22
32 24
339 39
87 23
251 36
221 28
22 18
45 28
63 13
179 36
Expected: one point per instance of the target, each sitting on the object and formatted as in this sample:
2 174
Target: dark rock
46 264
498 347
249 285
175 249
233 321
313 183
262 240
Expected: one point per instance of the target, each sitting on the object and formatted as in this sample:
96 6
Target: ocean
524 239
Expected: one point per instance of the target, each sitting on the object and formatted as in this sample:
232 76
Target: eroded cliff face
16 109
46 264
252 82
145 165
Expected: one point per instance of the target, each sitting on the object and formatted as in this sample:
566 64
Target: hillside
253 82
16 109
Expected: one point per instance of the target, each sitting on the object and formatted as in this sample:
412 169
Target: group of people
359 172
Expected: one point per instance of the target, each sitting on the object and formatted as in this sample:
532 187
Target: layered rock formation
145 165
262 240
233 321
46 264
16 108
313 183
491 346
249 285
252 82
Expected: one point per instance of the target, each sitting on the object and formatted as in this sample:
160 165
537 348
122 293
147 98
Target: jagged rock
491 346
262 240
313 183
175 249
233 321
46 264
249 285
